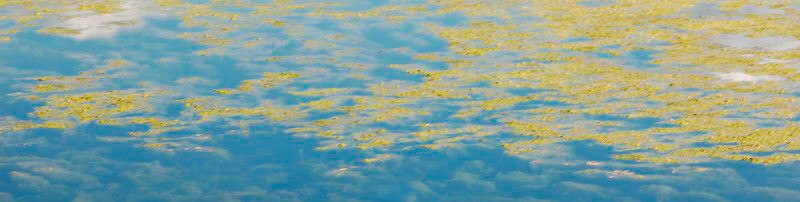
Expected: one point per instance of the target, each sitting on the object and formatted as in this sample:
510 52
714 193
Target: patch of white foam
773 43
741 76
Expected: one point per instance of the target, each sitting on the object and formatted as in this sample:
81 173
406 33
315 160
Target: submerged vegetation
571 60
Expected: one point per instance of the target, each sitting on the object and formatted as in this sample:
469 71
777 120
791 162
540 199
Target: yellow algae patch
269 80
333 146
707 152
377 159
552 57
556 53
532 129
380 109
207 39
428 92
50 87
112 122
466 113
329 134
685 61
157 145
207 109
153 122
24 125
91 106
325 122
425 135
364 137
277 23
55 124
433 133
300 130
60 30
86 79
225 91
110 64
102 7
346 14
273 59
390 12
643 157
497 8
571 111
762 138
321 104
771 159
169 3
395 113
707 123
525 146
374 143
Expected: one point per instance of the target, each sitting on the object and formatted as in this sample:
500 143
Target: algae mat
438 100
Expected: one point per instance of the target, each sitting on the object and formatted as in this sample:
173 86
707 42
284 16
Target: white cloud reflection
106 26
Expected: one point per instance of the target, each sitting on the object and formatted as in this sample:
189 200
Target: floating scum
569 59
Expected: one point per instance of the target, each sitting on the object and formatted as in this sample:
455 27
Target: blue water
265 162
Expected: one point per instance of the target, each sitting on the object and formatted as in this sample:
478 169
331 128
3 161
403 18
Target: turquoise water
261 157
